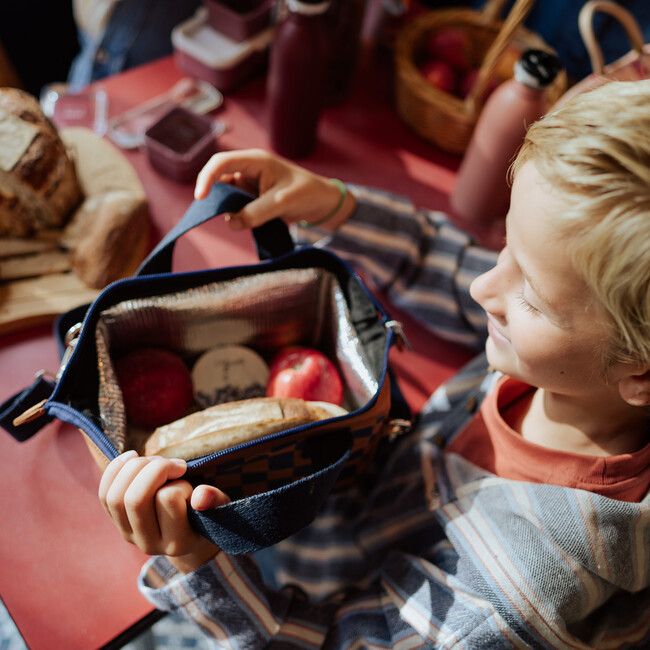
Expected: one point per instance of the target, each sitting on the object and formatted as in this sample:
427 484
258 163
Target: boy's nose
488 291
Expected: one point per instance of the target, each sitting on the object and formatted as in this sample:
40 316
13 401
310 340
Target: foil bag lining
265 311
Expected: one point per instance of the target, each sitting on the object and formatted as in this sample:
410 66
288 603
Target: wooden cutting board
38 300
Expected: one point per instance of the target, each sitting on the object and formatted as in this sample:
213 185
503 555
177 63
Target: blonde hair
595 152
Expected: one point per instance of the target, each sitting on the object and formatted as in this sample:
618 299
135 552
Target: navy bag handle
272 238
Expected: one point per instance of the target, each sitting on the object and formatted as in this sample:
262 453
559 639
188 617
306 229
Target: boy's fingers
111 471
113 498
141 493
248 163
171 511
258 211
124 487
206 497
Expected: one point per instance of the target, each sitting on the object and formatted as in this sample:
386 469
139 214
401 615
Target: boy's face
545 327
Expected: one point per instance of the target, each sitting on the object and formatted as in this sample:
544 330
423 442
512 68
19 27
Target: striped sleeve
228 601
423 262
225 600
520 566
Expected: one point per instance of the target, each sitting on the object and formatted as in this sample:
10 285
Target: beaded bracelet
343 192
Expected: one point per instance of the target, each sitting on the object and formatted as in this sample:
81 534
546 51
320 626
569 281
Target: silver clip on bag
306 296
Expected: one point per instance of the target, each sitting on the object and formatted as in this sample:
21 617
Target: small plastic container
67 107
202 52
180 143
239 19
127 129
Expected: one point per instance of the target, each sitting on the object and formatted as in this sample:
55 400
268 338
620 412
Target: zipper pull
397 427
402 341
70 340
30 414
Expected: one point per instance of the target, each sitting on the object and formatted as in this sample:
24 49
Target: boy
523 522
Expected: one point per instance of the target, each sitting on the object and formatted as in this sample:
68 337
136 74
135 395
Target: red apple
156 386
450 45
305 373
439 74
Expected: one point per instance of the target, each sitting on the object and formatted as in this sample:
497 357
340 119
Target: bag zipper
198 462
83 422
401 340
71 339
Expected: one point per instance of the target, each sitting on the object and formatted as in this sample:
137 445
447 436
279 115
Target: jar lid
229 373
537 68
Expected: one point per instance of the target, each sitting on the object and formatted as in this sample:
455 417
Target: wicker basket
442 118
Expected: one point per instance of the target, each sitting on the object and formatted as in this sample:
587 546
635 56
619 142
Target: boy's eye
526 305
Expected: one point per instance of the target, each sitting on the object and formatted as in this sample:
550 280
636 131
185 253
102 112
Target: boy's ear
635 388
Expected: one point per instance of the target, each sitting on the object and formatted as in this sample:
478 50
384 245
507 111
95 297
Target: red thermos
481 193
297 77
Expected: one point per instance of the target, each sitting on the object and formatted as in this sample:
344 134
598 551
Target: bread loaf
108 237
108 234
232 423
38 182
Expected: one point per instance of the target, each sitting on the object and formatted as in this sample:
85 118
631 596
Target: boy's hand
283 189
148 504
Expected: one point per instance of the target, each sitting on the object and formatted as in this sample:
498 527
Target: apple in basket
439 74
306 373
450 45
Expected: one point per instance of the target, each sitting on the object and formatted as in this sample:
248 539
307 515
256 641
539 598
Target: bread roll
38 182
232 423
108 234
108 237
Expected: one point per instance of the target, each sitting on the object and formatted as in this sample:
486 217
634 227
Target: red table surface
68 579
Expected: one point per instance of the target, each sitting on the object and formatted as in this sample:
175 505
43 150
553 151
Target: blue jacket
138 31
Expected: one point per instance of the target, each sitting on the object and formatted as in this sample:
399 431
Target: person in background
115 35
517 512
